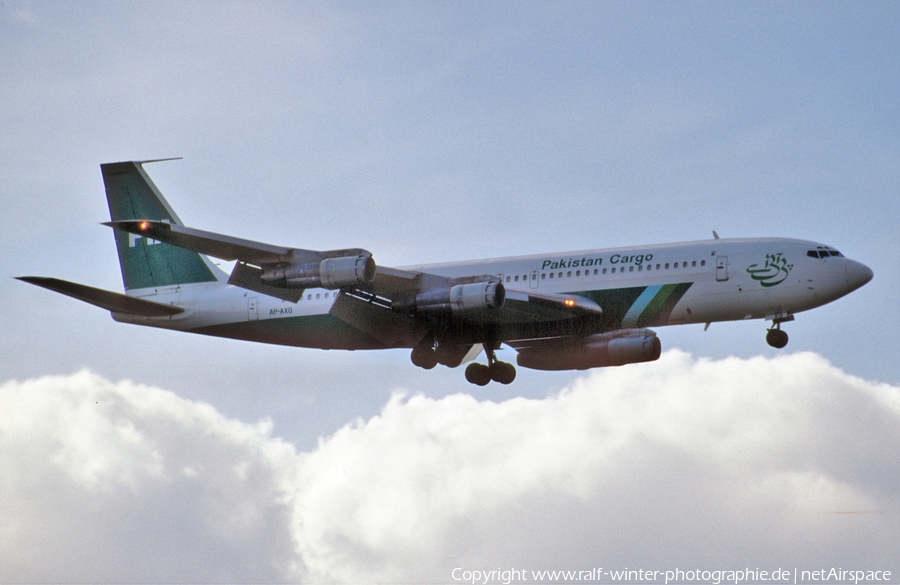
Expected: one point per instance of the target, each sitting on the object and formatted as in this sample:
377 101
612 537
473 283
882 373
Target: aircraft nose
857 274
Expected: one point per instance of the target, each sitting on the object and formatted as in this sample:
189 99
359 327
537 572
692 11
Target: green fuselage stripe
639 306
652 311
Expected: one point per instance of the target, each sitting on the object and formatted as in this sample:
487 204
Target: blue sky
430 132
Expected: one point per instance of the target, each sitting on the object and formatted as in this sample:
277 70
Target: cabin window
326 295
604 271
308 297
318 296
577 273
596 270
551 275
703 263
631 269
693 264
640 267
517 278
569 274
543 275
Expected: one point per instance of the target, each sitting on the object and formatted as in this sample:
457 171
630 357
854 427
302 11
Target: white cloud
122 482
683 462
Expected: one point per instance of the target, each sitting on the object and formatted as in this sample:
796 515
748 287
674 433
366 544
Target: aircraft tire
478 374
503 372
777 338
424 358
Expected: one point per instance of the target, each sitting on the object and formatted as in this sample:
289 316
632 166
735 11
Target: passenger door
722 268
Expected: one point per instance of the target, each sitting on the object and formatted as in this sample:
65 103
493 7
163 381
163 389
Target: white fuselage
668 284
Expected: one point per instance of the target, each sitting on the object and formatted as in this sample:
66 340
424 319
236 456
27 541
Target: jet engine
329 273
456 299
596 351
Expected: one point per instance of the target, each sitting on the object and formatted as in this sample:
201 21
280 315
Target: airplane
569 311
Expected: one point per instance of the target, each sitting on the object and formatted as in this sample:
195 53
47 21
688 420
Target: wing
530 306
394 305
225 247
276 271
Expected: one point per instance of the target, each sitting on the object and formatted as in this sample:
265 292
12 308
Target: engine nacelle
456 299
598 351
329 273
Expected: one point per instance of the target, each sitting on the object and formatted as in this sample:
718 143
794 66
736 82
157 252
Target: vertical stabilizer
148 263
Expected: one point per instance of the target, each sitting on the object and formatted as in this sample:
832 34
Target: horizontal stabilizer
114 302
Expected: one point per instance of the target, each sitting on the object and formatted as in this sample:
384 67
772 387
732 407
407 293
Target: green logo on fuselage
774 271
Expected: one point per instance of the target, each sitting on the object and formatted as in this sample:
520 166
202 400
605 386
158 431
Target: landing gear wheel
776 338
502 372
424 357
496 370
478 374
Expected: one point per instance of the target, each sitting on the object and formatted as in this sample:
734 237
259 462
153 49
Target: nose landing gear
775 336
497 371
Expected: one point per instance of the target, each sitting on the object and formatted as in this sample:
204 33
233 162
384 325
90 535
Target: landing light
143 226
569 302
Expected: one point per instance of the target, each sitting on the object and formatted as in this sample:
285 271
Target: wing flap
390 328
114 302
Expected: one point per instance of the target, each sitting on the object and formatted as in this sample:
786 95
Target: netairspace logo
105 481
714 577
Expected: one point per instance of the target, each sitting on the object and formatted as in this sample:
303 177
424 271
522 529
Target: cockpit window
823 252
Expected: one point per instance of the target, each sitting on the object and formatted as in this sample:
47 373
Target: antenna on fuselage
715 235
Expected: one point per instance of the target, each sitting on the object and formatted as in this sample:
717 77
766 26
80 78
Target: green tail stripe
147 263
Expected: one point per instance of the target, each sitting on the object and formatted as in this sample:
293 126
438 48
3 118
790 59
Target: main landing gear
775 336
427 356
497 371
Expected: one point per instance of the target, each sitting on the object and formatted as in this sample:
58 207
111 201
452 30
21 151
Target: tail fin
148 263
